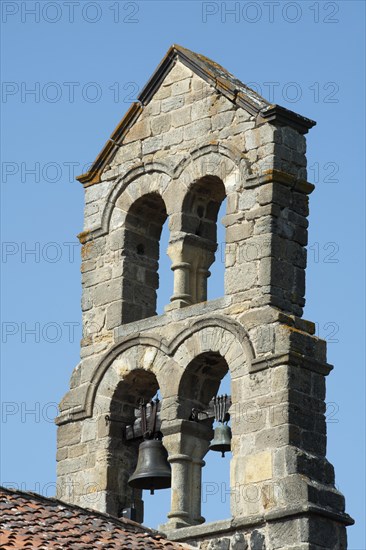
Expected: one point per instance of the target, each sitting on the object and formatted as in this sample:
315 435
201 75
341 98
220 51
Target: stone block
140 130
164 92
258 467
272 438
180 87
151 145
172 103
173 137
239 279
68 434
105 293
128 151
181 117
257 540
320 531
99 275
252 139
239 231
179 72
284 533
114 315
197 129
222 120
160 124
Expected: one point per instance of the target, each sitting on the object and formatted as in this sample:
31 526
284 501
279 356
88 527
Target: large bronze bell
222 439
153 469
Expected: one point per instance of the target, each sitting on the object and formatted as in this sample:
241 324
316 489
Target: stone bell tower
196 136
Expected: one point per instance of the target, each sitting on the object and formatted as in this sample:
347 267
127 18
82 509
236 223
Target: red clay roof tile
29 520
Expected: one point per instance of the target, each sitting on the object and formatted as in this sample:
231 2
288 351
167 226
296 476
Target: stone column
186 442
204 258
202 276
181 294
196 488
181 268
179 515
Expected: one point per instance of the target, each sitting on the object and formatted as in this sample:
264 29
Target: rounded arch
216 334
134 353
212 158
116 405
135 182
186 170
201 381
140 256
173 355
200 207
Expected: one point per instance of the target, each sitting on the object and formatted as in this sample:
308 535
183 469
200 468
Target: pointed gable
178 64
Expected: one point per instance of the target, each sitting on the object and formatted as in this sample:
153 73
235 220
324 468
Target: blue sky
70 71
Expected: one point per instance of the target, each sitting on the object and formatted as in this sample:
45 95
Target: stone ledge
194 310
232 525
277 176
292 359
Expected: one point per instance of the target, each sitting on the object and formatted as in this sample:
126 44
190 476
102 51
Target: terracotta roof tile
29 520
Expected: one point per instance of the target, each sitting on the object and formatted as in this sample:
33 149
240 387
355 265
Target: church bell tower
197 136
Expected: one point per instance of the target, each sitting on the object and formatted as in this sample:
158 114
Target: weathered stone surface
189 148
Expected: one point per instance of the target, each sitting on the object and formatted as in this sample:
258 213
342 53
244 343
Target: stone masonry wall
188 149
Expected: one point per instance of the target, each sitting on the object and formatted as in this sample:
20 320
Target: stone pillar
181 268
202 276
179 515
186 442
191 257
196 489
181 284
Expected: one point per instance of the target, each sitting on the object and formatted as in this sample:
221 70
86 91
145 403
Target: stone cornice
292 359
276 176
218 528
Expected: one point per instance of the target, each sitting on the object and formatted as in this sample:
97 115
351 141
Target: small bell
222 439
222 434
153 469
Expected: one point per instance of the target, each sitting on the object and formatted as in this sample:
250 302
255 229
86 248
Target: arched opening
201 382
216 475
140 257
125 437
206 377
165 274
216 287
199 227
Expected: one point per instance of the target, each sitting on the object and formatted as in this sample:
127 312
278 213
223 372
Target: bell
153 469
222 439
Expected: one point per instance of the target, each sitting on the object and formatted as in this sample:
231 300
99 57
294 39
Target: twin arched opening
188 374
192 246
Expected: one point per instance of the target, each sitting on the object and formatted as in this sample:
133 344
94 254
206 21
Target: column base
177 304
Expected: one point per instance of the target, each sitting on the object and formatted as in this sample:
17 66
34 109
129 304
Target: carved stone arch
150 178
140 358
130 345
219 334
139 243
123 183
215 150
208 175
206 350
133 370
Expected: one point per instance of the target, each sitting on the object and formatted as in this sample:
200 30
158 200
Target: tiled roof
29 520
